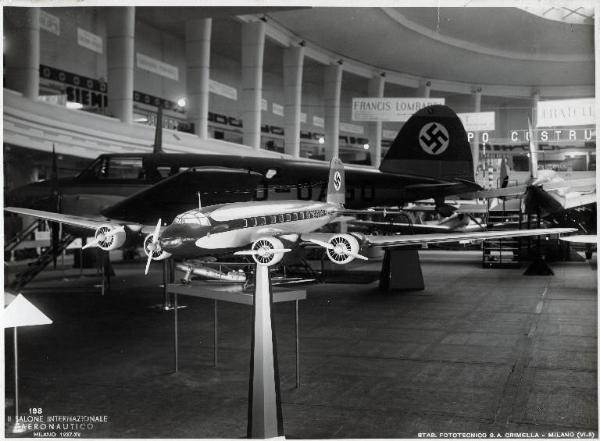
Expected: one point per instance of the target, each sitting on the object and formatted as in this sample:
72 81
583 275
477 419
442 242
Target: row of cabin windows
281 218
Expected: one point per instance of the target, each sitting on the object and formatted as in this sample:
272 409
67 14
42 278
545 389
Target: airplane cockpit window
192 217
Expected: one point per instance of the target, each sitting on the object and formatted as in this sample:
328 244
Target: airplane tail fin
533 162
432 143
157 147
336 188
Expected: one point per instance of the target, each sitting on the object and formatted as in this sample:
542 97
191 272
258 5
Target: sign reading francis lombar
577 112
389 109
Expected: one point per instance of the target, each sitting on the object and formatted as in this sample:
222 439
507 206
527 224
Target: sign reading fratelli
389 109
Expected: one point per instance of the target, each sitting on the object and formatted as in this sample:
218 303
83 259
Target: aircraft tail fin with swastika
336 188
432 143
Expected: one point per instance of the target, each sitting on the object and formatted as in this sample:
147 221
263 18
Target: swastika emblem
337 181
434 138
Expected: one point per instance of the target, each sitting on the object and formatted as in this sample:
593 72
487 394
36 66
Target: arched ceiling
499 46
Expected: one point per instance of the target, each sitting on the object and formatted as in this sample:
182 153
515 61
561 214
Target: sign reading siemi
389 109
576 112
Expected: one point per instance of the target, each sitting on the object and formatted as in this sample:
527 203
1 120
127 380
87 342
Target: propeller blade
91 244
148 264
156 232
356 255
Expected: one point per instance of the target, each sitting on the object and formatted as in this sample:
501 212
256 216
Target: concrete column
197 54
475 142
293 63
120 61
424 89
331 97
535 98
22 56
374 134
253 46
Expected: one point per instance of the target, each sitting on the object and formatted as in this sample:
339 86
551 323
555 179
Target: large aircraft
264 230
546 192
430 158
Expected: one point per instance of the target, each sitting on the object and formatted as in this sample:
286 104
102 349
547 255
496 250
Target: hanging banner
576 112
478 121
318 121
224 90
157 67
49 22
389 109
277 109
352 128
88 40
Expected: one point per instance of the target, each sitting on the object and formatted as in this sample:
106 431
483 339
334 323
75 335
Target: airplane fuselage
225 227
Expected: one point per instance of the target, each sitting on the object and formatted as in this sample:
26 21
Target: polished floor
479 350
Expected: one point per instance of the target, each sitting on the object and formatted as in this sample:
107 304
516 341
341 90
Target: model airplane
430 158
263 230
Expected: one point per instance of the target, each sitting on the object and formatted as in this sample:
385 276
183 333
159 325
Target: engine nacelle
154 249
263 247
110 238
342 244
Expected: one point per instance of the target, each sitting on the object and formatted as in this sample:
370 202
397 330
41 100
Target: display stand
198 289
168 273
264 409
20 312
539 267
401 270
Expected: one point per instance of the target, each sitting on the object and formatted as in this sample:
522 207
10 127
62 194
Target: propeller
258 252
152 245
102 236
331 247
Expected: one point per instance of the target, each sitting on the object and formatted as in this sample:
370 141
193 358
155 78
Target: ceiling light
72 105
366 146
321 140
181 102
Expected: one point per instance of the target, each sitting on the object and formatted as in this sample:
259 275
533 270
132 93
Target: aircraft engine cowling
153 249
263 256
108 237
342 244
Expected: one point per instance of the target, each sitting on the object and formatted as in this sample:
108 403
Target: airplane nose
177 235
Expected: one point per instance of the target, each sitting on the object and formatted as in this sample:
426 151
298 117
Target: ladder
502 253
34 268
20 237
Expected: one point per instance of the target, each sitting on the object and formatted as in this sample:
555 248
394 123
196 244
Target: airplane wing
418 239
581 238
402 226
79 221
76 221
577 200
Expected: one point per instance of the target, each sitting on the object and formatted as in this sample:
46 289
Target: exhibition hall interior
304 222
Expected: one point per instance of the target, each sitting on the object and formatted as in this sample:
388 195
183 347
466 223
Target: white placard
49 22
576 112
303 117
389 109
318 121
157 67
222 89
389 134
478 121
352 128
277 109
264 105
88 40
